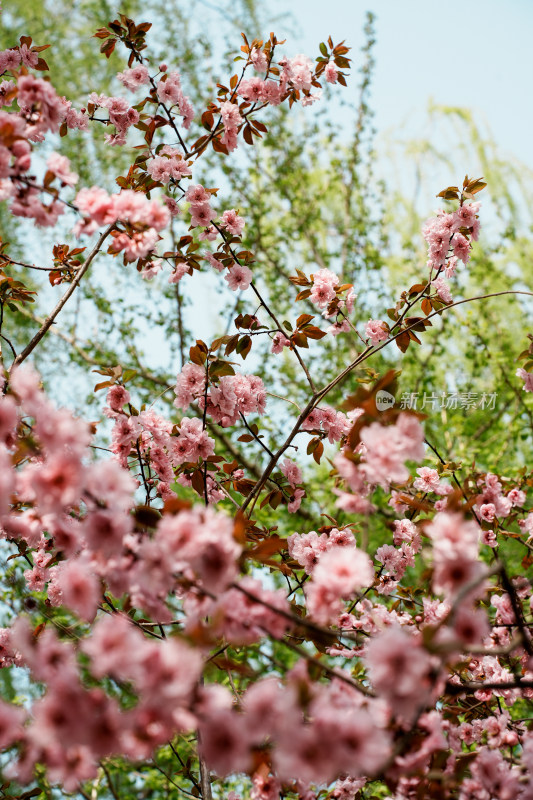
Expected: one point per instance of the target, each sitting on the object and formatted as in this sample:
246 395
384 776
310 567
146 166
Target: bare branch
70 291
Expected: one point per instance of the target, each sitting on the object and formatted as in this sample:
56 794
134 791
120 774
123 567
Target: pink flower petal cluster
15 150
406 531
324 284
60 166
279 342
235 395
387 448
190 384
256 90
337 735
10 59
527 377
28 203
339 573
199 544
259 59
165 447
54 483
168 164
357 742
152 269
295 501
292 472
455 552
178 272
382 452
170 93
400 671
442 289
192 443
331 73
136 246
342 326
298 72
395 561
76 120
442 234
492 496
201 212
40 106
6 90
15 161
429 481
232 121
334 423
307 548
121 115
133 78
239 618
146 216
232 222
71 728
239 277
377 331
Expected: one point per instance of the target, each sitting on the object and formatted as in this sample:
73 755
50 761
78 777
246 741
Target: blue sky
477 54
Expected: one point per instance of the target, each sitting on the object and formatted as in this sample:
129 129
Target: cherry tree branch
469 687
320 394
49 321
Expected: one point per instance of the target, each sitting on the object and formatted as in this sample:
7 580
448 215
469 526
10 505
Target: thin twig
70 291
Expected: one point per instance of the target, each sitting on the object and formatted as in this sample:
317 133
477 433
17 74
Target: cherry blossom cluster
40 111
168 163
334 424
71 728
443 234
191 559
527 377
169 92
449 236
377 331
232 396
145 218
380 460
163 447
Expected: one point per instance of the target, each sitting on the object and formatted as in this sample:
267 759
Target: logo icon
384 400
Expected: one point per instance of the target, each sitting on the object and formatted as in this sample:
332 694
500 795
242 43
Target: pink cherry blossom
339 572
461 247
258 59
428 480
400 671
292 472
331 73
232 222
133 78
377 331
527 377
79 588
279 342
295 501
442 289
60 165
238 277
201 214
